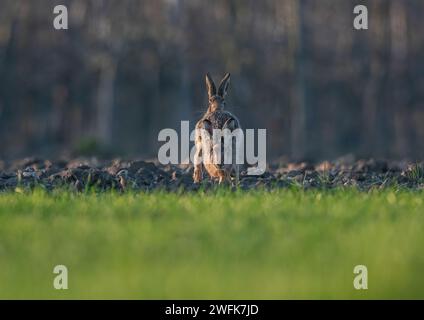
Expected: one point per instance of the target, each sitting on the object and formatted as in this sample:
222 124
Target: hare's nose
217 100
213 99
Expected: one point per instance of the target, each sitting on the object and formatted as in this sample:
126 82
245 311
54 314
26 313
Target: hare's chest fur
217 119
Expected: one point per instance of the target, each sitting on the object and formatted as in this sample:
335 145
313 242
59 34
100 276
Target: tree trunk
105 102
299 91
398 69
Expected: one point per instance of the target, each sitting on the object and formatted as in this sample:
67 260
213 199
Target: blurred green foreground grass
257 245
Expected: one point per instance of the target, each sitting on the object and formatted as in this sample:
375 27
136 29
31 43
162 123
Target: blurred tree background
125 69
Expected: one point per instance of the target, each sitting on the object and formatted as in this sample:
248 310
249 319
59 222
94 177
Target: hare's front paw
197 176
224 178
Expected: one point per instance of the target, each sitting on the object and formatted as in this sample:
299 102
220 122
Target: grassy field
280 244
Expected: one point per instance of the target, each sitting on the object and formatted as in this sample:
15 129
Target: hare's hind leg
235 167
236 170
198 173
198 163
198 167
223 176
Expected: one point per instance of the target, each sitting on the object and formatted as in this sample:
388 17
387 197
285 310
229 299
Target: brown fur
215 118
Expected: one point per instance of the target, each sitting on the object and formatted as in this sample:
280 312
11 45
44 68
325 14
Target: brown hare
207 151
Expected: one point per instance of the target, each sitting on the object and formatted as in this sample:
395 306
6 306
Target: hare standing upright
215 118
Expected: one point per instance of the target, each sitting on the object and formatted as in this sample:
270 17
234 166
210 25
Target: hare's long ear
210 85
223 87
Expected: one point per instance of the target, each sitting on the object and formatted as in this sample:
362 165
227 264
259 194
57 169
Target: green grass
258 245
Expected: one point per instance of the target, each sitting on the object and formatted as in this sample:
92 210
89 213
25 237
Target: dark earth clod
86 174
